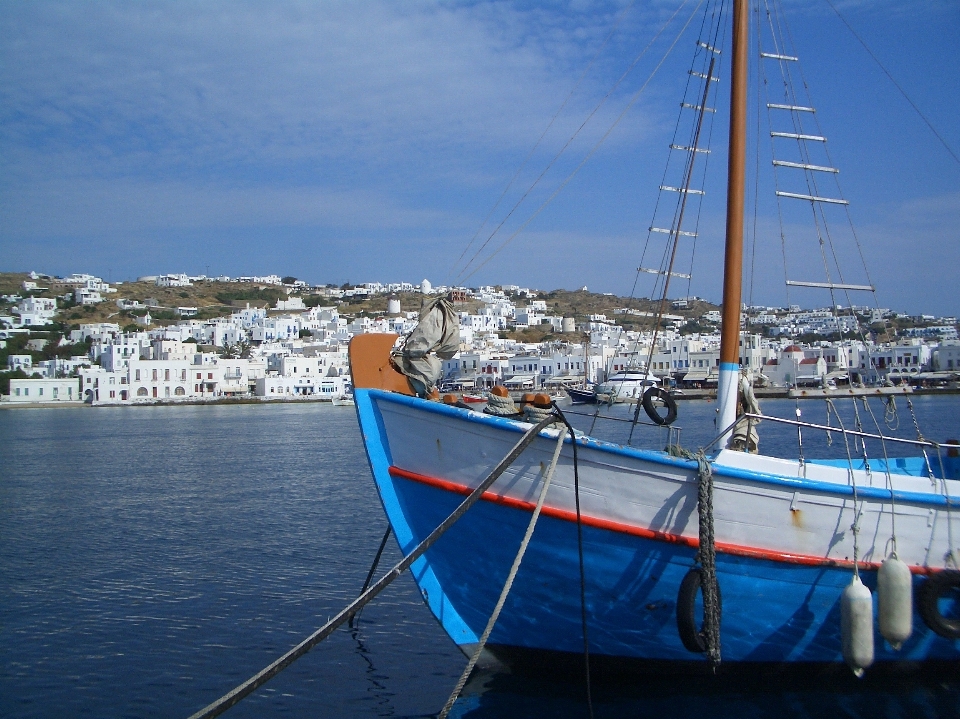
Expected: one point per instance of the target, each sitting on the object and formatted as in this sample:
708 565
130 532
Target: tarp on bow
436 337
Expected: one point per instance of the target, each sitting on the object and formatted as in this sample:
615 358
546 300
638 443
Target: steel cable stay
236 694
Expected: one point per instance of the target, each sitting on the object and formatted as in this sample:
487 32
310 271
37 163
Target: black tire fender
928 597
690 634
658 393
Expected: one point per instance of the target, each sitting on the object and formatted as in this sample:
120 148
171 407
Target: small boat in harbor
582 396
626 385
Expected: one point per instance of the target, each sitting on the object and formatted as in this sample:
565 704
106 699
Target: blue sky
359 141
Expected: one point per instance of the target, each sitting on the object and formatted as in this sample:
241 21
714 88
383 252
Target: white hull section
763 506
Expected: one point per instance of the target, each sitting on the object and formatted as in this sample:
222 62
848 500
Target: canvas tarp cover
436 337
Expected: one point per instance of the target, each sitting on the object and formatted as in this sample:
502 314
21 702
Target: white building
160 379
34 311
277 386
35 391
946 356
180 280
291 304
20 362
272 329
86 296
793 368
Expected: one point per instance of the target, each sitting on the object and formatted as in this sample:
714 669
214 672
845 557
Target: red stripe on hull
566 515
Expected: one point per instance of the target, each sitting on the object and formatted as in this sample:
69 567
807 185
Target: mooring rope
707 556
263 676
583 580
508 585
373 568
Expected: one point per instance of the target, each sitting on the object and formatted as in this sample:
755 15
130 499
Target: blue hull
773 612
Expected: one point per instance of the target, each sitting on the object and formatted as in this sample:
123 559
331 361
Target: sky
366 141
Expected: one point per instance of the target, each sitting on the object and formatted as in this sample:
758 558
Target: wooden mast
733 256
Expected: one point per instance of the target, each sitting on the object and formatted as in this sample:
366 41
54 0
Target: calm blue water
153 558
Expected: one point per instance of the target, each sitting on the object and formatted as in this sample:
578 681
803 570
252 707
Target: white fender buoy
895 601
856 626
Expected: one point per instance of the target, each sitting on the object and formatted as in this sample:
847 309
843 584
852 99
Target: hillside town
295 347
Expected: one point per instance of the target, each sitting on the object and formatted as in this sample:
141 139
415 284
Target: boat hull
582 396
780 598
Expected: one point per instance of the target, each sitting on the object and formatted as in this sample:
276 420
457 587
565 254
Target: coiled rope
707 557
532 413
500 406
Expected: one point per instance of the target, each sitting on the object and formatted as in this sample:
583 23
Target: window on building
136 376
18 389
142 392
56 392
209 375
166 375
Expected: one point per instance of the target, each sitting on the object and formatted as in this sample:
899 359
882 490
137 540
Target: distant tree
305 333
240 350
288 280
5 378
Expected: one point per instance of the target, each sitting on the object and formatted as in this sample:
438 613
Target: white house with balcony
86 296
35 311
23 363
274 329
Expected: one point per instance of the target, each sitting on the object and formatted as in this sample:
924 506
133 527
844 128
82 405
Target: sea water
152 558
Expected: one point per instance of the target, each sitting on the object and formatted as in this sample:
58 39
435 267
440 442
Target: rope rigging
798 108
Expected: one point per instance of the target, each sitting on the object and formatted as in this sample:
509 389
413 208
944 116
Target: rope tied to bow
707 558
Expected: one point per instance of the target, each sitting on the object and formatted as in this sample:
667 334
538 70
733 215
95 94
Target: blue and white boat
789 535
